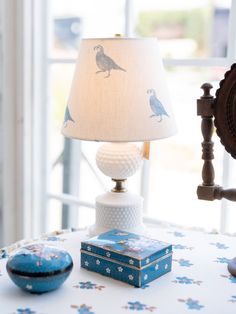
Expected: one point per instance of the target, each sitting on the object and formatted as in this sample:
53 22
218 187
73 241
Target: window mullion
70 200
40 116
16 120
231 50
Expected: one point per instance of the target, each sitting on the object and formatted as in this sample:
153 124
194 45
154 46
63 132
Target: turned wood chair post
223 110
205 109
208 190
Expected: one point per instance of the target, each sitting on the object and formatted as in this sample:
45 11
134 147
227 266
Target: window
66 179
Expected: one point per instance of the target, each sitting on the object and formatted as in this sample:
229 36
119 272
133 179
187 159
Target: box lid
39 260
129 248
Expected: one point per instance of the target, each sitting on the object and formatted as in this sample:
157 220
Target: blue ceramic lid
127 247
39 259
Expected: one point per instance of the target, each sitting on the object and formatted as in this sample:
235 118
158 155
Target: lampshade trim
119 140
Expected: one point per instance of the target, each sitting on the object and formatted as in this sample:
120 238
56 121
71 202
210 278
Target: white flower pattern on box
156 267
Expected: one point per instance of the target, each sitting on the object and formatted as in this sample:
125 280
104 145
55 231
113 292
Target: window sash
16 120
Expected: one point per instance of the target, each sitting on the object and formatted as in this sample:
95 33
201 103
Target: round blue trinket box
39 268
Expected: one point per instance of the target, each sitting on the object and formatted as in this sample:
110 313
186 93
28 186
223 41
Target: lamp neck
120 186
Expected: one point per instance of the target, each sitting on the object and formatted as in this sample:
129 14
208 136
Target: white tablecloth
199 281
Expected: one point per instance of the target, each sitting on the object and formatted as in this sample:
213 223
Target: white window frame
24 96
16 120
25 76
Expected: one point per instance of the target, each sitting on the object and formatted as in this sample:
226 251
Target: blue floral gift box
125 256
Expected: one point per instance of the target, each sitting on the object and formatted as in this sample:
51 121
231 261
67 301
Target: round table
199 280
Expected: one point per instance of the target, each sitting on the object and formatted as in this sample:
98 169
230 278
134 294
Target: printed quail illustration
156 105
67 117
104 62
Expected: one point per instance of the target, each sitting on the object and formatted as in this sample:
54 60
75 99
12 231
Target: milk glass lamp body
118 207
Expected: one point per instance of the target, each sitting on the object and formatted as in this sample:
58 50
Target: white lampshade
119 92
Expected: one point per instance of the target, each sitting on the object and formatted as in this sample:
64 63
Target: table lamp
118 95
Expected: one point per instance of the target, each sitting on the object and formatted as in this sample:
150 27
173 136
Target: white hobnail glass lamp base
118 211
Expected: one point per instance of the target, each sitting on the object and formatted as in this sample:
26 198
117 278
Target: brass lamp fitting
120 186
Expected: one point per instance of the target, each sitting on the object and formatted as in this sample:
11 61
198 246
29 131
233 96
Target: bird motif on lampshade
67 117
104 62
156 106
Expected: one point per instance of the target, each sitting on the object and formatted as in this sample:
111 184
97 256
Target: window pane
54 211
176 162
72 20
60 85
86 216
185 29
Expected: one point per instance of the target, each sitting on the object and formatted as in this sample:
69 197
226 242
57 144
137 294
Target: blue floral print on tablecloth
177 234
83 309
25 311
88 285
192 304
220 246
183 262
233 299
137 306
181 247
186 280
3 253
231 278
222 260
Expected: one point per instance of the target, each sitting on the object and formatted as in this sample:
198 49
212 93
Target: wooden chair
218 112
